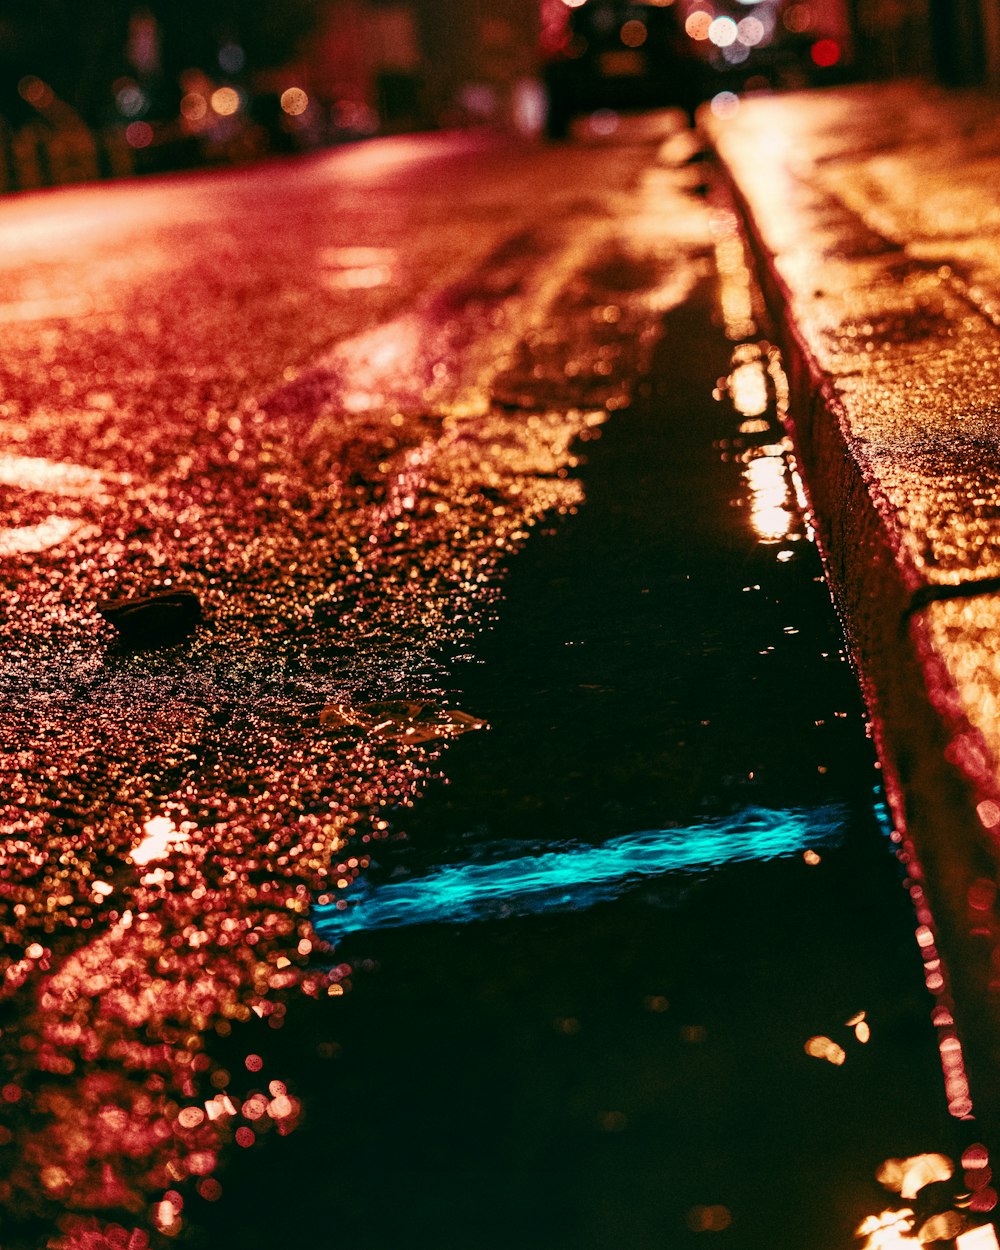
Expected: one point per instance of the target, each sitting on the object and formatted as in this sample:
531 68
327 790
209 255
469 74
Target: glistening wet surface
643 971
628 964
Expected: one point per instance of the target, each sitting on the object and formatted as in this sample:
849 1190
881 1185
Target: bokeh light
889 1230
825 1048
194 106
226 101
604 122
35 92
633 34
750 31
709 1219
232 58
294 101
798 18
725 104
139 134
982 1238
825 52
723 32
698 24
132 101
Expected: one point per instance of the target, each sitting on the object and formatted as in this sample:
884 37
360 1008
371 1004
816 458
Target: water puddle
723 1016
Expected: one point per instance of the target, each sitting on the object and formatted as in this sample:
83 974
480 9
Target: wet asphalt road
426 426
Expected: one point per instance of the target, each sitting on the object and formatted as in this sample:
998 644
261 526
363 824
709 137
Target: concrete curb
941 772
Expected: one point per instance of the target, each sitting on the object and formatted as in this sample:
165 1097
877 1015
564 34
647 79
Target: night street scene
500 614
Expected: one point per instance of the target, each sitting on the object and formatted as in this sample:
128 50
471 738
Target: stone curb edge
934 765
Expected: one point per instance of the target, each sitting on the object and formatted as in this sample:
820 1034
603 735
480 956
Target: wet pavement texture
409 447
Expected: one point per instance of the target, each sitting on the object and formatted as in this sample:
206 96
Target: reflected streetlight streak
56 477
772 510
21 540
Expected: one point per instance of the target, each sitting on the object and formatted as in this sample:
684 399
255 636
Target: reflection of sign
623 63
536 878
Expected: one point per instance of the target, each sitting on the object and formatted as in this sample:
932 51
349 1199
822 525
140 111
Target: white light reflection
750 31
369 362
357 268
160 837
772 513
982 1238
723 32
889 1230
725 104
57 308
748 388
358 279
29 539
357 257
52 476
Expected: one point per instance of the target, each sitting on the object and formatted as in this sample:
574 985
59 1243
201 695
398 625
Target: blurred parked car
621 56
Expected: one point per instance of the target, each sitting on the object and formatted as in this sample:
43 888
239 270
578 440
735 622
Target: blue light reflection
577 875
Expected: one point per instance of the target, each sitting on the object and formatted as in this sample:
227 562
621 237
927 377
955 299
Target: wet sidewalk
874 224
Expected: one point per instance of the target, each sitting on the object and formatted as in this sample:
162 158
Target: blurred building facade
956 41
965 36
97 88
